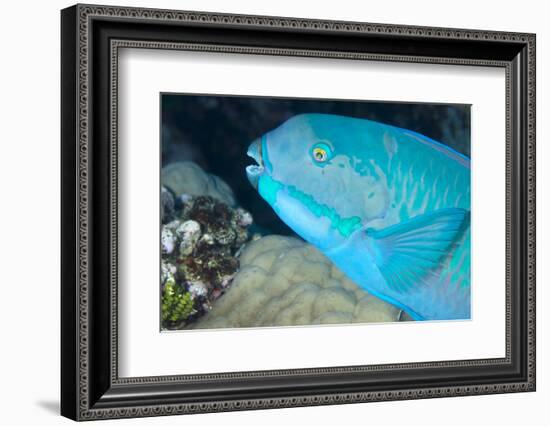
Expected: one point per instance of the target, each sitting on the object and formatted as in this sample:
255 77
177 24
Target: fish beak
254 171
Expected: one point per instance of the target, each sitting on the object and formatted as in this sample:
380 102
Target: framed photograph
263 212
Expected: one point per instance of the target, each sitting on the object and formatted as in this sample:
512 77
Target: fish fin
408 253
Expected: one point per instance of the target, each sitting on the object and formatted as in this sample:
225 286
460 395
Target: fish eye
321 152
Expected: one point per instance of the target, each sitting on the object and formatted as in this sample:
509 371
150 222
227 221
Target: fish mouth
254 171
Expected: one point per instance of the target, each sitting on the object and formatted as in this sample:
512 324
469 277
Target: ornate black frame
91 37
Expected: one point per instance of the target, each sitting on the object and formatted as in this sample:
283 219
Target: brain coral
285 281
186 177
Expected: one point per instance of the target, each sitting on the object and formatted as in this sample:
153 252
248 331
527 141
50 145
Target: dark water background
215 131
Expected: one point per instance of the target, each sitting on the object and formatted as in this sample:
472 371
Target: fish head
318 177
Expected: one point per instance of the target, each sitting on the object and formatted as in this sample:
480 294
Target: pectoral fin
407 253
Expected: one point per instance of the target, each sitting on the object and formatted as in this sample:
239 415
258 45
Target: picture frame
91 38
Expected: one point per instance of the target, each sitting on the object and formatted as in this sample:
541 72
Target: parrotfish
388 206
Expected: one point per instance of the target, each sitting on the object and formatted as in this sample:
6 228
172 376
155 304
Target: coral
188 179
226 226
199 248
284 281
209 237
177 304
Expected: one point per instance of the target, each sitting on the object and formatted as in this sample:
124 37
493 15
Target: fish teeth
254 169
253 173
255 152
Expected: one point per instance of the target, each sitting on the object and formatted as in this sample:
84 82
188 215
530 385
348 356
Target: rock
199 256
197 288
167 205
167 240
244 217
167 272
188 179
285 281
188 234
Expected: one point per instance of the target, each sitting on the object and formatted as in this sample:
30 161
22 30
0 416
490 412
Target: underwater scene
292 212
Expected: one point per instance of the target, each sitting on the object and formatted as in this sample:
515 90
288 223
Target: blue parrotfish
388 206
